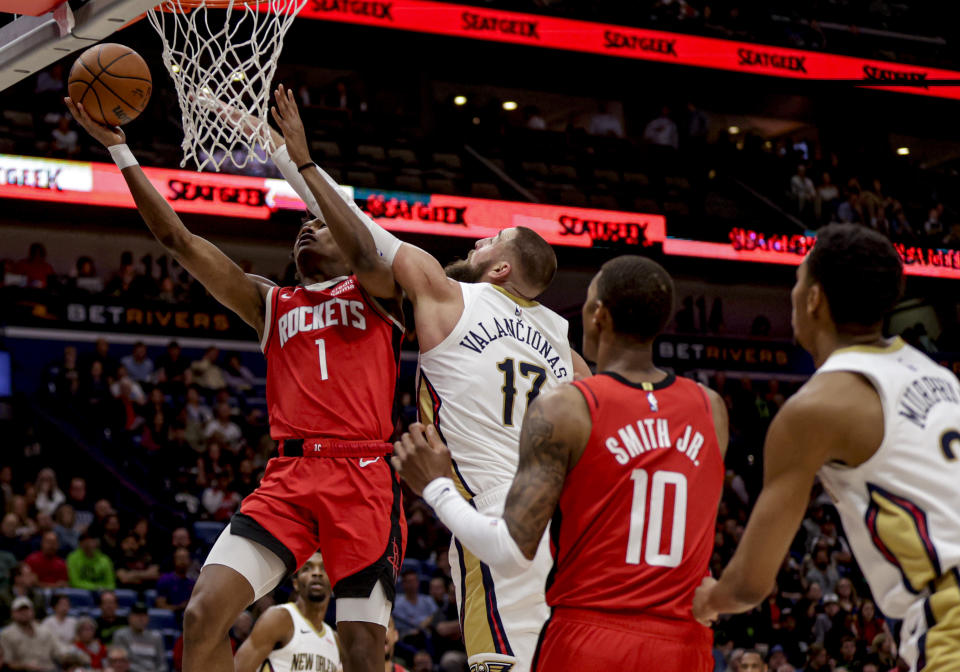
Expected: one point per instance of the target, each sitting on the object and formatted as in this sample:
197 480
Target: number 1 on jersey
323 358
654 522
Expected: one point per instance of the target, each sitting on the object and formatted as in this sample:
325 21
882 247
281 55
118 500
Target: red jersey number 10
654 522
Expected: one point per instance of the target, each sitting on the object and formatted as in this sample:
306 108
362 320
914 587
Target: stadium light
509 105
460 100
733 130
903 151
476 121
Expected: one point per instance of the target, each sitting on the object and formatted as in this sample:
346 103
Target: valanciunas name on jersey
330 313
508 327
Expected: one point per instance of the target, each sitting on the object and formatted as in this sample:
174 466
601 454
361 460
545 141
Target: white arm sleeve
487 537
387 244
281 159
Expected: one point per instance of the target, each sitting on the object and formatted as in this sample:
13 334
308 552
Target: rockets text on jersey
634 527
332 362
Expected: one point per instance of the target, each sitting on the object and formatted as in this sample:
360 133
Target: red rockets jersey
634 528
333 360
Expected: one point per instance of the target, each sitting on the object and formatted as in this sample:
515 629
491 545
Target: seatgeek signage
790 249
223 195
441 18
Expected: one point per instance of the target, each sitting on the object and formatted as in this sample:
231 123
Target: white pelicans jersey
475 386
901 508
308 650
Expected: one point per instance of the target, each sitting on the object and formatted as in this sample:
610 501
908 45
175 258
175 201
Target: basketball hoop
222 56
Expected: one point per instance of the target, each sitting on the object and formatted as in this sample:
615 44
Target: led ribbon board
753 246
440 18
78 182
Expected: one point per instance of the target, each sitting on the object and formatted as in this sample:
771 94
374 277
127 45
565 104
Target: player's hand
420 457
255 129
105 135
287 116
701 600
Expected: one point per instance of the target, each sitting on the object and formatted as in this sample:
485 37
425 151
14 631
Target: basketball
112 82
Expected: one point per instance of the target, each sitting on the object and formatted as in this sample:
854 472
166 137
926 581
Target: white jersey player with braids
487 349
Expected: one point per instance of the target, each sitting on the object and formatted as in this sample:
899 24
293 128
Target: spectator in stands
933 227
135 568
118 660
206 373
23 584
10 540
50 568
65 141
849 657
219 499
422 662
445 624
109 621
124 279
533 119
662 131
197 411
389 665
126 388
172 369
900 229
137 364
246 481
224 428
606 123
238 377
144 646
95 391
180 539
952 239
184 498
829 620
86 641
88 567
60 622
85 276
109 533
752 661
64 377
847 596
850 210
102 354
802 191
413 610
26 644
35 267
827 197
868 623
174 588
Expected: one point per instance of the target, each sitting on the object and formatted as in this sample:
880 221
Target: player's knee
205 622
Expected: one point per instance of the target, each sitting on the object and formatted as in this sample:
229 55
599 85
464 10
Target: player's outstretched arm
417 272
341 216
273 630
555 429
204 261
797 445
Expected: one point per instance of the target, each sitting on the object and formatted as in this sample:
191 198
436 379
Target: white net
222 56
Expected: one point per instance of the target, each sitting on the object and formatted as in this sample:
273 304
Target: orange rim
187 5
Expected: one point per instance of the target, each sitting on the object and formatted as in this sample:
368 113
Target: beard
316 596
462 270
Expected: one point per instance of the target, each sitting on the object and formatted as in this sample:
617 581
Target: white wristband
122 156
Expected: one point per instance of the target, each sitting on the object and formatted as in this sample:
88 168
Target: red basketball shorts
348 508
575 639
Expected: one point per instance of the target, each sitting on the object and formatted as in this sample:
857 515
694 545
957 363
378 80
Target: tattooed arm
555 431
554 434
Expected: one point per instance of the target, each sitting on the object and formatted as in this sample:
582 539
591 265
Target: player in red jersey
629 466
332 366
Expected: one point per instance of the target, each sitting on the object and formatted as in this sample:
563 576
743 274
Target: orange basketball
112 82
